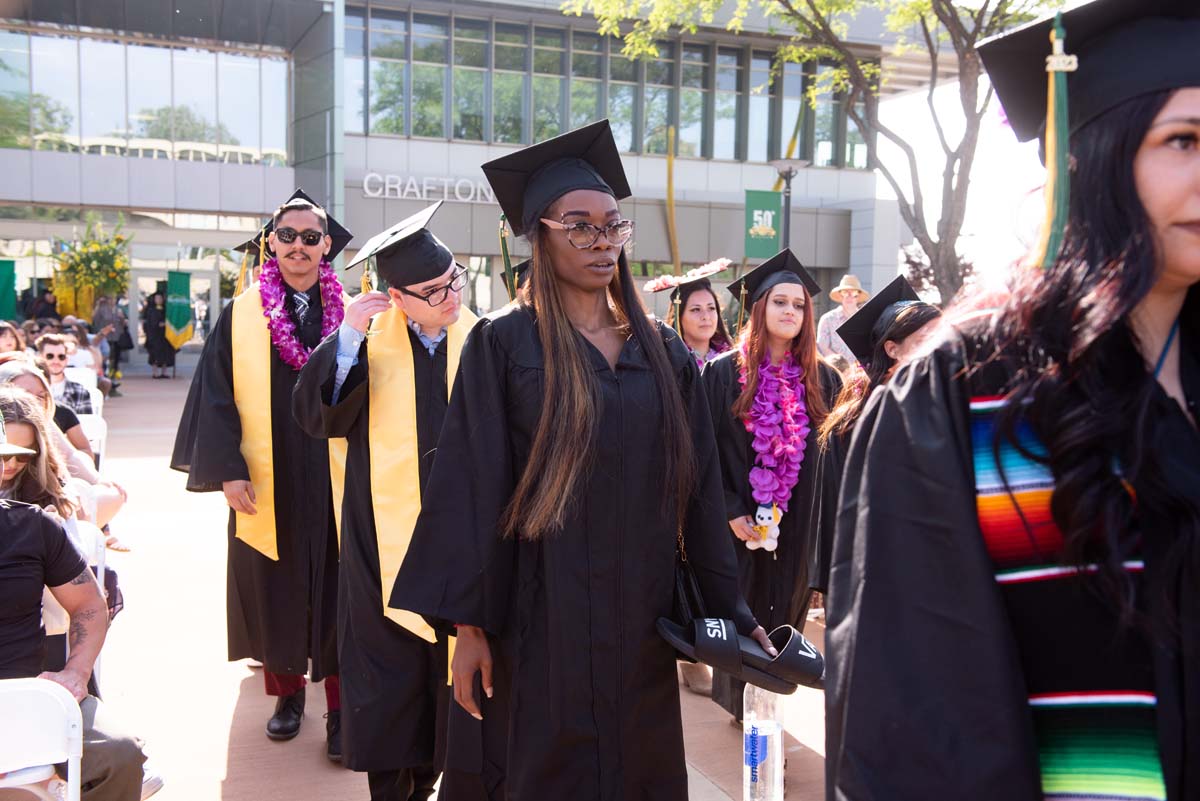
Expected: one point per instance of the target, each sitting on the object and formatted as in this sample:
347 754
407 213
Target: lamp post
788 169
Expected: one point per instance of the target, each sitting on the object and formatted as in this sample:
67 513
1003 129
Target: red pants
289 684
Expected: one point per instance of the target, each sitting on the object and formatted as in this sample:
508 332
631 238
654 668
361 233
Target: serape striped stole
1091 691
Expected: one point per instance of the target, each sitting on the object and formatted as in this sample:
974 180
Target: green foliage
98 261
181 124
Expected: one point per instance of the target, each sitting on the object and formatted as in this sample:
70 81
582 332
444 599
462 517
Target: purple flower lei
279 322
778 421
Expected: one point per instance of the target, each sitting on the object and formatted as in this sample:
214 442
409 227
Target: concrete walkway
164 671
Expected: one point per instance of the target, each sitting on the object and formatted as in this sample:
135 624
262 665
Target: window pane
355 95
195 104
729 57
691 122
470 54
102 119
428 49
660 72
396 21
387 97
725 125
622 69
510 58
760 127
549 37
512 34
468 105
431 25
824 133
471 29
429 98
547 107
695 76
508 98
354 41
588 42
549 62
55 70
275 95
356 17
14 89
388 45
585 103
585 65
237 90
657 117
856 145
695 53
149 101
621 104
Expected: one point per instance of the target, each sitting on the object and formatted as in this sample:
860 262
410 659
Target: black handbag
689 601
125 341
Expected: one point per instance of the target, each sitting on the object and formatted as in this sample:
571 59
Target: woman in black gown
154 326
774 380
1015 592
576 444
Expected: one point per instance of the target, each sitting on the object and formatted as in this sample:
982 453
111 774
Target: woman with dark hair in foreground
1015 593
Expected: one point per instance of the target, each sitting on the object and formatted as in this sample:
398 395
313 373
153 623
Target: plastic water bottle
762 745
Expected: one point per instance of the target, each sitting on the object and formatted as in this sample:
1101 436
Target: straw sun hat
849 283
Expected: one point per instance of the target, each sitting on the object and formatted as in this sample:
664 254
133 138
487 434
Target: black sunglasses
310 238
56 356
19 458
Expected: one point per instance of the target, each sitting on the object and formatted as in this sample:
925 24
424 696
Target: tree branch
931 45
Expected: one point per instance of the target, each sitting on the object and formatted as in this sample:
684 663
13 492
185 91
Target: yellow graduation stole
252 396
395 456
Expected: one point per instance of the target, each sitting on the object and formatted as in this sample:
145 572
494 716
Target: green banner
763 223
179 308
8 289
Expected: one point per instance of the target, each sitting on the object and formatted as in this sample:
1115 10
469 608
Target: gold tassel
741 309
241 282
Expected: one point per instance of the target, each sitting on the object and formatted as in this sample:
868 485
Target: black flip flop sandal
715 642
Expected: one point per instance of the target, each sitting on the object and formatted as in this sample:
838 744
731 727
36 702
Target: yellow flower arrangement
99 261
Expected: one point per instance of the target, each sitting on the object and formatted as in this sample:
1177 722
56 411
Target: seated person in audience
30 329
53 348
35 552
105 497
10 337
82 352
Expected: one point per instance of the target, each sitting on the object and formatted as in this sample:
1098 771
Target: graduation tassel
510 280
741 309
678 315
241 282
365 284
1058 136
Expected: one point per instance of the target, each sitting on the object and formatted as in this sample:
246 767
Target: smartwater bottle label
755 751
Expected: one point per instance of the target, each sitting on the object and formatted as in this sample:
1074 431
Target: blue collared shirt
350 340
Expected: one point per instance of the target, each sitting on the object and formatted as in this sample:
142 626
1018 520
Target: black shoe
289 712
333 735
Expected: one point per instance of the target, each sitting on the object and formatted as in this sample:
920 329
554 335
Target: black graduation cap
782 268
340 236
528 181
870 323
689 282
1126 48
407 253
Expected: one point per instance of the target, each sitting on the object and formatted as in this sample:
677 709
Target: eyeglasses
62 357
19 458
582 235
437 296
310 238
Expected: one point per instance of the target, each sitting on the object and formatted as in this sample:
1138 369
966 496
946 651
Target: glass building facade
478 78
114 97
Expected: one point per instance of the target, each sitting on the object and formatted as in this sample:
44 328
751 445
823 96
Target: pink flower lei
279 321
778 421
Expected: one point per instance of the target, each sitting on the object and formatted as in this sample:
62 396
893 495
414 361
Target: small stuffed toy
766 526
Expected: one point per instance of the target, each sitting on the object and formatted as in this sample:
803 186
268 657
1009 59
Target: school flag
179 308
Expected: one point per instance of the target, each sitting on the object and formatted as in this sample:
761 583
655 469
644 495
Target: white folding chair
43 726
95 428
82 375
97 400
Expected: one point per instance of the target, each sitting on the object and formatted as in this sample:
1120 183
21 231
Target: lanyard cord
1162 357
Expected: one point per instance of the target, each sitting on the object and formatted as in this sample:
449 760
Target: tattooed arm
83 600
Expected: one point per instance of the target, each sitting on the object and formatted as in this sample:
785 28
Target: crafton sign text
427 189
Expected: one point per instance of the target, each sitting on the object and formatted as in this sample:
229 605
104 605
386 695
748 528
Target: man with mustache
283 487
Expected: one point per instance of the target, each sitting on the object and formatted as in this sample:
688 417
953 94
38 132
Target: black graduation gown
776 585
158 349
390 678
281 612
925 692
590 687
